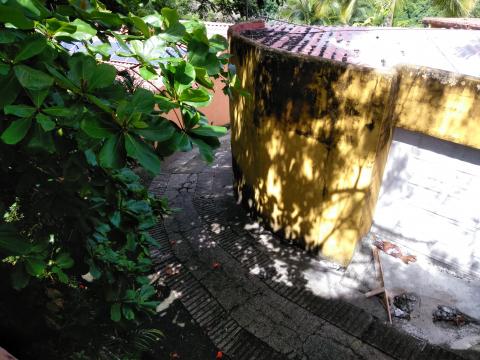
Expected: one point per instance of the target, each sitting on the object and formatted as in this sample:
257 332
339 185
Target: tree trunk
391 14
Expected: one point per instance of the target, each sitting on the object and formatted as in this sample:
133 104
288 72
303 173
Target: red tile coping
452 23
456 51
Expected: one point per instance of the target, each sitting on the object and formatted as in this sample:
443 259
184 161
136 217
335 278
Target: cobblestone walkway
223 267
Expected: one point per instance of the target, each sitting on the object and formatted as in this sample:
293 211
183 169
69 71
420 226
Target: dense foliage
372 12
74 240
325 12
212 10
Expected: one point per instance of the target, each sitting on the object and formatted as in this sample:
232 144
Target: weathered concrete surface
429 200
256 297
311 142
440 104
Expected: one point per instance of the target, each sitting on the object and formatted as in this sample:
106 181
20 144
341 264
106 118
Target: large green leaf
137 206
165 104
107 18
209 130
191 118
116 219
83 31
59 111
140 25
101 103
128 313
184 76
200 56
10 88
104 49
60 274
31 78
148 73
38 96
35 266
197 31
81 68
64 261
98 129
142 102
205 149
196 97
61 79
218 43
180 141
45 122
86 74
14 16
57 28
112 154
155 20
149 50
158 130
115 312
170 16
173 33
16 131
11 243
34 9
203 78
19 110
31 48
103 76
143 153
198 52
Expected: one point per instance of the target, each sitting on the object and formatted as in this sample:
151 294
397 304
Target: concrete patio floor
255 296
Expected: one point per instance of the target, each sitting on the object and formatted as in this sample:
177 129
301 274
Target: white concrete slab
430 200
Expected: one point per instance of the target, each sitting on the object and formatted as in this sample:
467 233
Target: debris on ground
405 302
451 314
399 313
393 250
165 304
403 305
172 270
216 265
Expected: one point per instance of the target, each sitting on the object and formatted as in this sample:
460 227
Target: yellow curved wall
310 144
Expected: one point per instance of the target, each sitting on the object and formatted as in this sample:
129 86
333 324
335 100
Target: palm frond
144 339
346 11
456 7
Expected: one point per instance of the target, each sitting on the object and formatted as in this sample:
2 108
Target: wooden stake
379 273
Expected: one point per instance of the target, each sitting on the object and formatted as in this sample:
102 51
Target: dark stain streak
371 125
309 134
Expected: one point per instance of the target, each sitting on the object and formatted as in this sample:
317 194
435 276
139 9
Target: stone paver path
245 288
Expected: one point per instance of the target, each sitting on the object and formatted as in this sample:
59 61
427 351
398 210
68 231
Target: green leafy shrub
74 240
